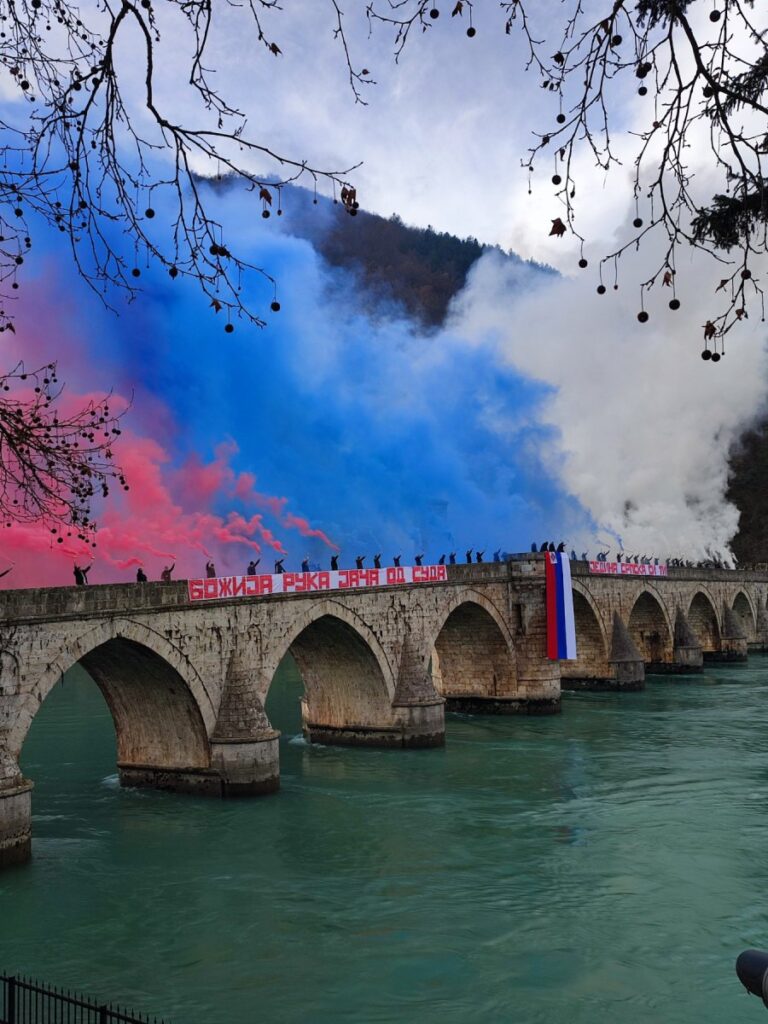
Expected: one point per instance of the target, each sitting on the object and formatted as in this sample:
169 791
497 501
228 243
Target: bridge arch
162 712
592 645
348 681
472 650
742 606
650 628
702 618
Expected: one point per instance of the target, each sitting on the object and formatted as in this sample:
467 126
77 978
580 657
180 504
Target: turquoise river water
604 865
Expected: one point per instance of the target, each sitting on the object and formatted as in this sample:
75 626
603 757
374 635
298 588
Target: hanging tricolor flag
561 627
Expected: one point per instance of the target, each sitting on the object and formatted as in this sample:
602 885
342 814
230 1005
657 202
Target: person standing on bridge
251 570
479 556
497 555
441 560
210 571
334 563
359 561
469 556
396 561
418 559
279 570
377 561
141 576
165 575
81 574
305 565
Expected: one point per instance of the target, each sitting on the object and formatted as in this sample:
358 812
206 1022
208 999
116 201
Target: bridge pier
688 654
761 628
733 642
625 659
15 813
414 725
245 756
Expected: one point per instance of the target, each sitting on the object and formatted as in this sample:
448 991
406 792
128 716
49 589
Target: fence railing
23 1001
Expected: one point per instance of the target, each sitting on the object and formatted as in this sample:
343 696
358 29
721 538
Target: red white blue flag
561 627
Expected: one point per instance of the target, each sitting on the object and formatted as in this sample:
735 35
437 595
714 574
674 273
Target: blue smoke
386 437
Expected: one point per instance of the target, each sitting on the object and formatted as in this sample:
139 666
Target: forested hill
748 490
422 269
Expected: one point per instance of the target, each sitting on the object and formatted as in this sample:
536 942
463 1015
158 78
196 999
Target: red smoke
167 516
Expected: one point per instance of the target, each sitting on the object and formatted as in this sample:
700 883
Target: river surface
603 865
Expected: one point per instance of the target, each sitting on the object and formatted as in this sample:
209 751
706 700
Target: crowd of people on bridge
471 556
715 559
360 560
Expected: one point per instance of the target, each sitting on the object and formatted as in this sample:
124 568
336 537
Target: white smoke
644 424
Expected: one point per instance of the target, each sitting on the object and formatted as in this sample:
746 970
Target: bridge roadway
186 682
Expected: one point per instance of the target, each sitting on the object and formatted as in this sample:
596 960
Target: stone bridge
186 682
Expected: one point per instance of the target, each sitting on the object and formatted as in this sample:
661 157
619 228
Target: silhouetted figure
305 565
81 575
418 559
584 556
141 576
210 570
251 570
334 563
396 561
479 556
497 555
534 548
452 558
279 570
441 560
573 555
561 546
544 546
469 556
359 561
377 561
551 547
165 575
618 556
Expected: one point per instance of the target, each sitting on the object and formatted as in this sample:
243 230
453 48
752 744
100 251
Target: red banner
627 569
304 582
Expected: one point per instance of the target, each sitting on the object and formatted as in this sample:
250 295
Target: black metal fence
23 1001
